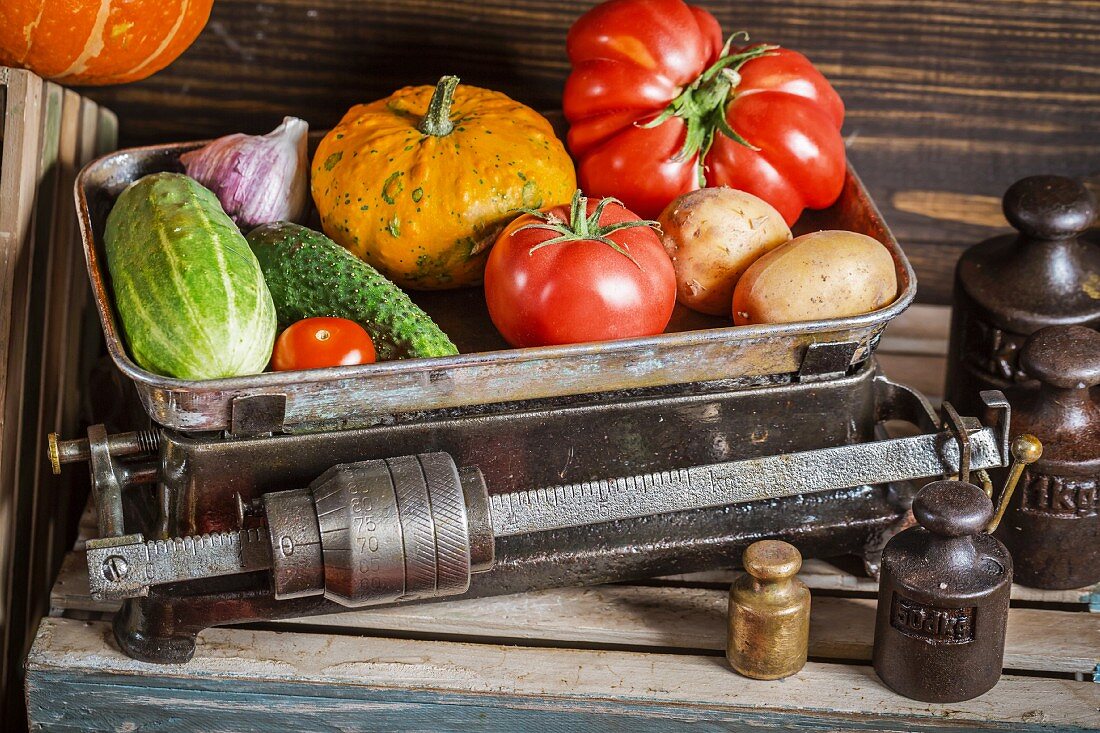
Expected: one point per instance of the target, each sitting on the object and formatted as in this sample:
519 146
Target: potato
821 275
712 236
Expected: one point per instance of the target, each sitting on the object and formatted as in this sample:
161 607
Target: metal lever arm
124 567
417 527
768 477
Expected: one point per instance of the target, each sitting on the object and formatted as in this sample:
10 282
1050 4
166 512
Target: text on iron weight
1060 497
930 623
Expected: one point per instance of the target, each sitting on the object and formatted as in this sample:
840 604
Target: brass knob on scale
1025 449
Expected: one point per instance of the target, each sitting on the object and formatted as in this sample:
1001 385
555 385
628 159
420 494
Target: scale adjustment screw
115 568
248 508
142 442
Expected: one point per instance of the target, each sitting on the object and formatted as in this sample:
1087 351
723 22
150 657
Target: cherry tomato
586 272
316 343
658 106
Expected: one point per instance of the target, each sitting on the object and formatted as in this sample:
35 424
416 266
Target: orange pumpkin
98 41
420 184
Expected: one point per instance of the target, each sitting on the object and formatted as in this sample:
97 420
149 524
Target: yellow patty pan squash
421 183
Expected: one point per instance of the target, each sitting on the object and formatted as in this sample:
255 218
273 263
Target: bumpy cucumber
192 299
310 275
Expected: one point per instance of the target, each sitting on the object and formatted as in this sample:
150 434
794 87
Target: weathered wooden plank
20 173
319 682
75 705
922 330
695 619
659 618
34 574
925 374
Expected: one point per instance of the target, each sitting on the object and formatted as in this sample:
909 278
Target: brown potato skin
712 236
830 274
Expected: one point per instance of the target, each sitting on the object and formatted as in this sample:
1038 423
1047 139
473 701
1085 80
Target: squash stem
437 120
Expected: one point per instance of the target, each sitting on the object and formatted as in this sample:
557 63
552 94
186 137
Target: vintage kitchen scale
499 470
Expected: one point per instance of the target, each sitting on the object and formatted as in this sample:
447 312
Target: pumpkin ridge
28 33
165 42
80 63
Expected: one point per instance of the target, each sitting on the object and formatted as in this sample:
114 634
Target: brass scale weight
417 527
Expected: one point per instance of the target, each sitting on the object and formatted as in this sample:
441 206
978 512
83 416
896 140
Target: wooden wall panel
949 101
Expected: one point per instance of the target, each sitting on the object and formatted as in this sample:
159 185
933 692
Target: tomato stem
584 226
437 120
703 104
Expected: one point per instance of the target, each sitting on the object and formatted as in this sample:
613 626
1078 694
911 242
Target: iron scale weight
1024 319
944 591
1010 286
1052 527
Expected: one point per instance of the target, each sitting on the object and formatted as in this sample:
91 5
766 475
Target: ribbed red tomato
585 272
316 343
658 106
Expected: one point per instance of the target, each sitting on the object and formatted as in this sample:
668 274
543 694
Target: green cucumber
310 276
190 293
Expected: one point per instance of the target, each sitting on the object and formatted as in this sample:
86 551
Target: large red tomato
658 106
585 272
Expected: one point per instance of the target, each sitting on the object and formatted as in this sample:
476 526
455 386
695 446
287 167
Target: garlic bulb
259 179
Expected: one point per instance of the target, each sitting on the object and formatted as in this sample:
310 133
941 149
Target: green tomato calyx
703 104
583 226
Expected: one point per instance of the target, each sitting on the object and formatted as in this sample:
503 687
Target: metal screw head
115 568
54 453
250 508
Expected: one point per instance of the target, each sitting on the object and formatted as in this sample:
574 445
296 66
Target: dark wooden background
948 101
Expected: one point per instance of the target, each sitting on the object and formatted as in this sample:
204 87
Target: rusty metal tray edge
351 396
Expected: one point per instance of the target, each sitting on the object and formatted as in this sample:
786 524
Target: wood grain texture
351 683
659 618
46 135
948 101
21 171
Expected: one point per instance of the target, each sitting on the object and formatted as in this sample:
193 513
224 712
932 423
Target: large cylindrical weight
1053 525
1010 286
943 599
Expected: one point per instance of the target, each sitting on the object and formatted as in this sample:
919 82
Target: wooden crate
629 657
46 134
634 656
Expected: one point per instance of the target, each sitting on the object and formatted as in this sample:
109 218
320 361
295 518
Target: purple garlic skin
259 179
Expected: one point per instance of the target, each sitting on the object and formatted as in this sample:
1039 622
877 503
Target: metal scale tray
695 349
